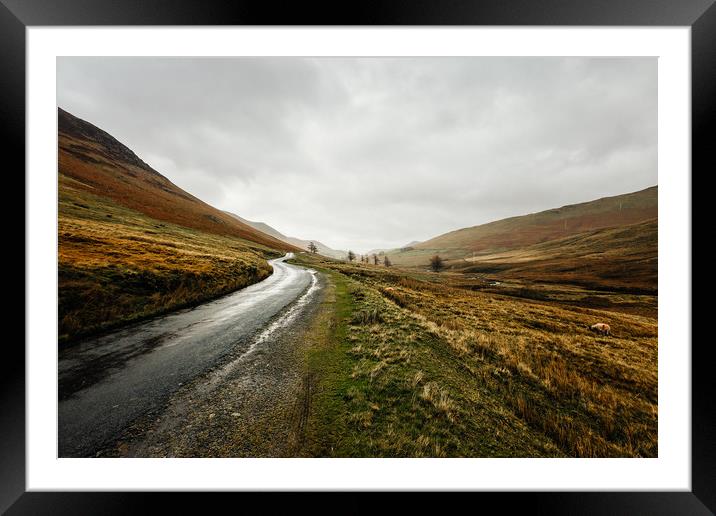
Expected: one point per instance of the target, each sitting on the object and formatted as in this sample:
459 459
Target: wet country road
110 381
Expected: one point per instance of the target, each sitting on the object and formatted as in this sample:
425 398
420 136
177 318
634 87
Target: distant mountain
300 243
527 230
101 165
393 249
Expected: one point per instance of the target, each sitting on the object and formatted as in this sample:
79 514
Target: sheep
602 328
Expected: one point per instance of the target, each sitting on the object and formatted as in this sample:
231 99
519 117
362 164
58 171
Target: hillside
100 164
132 245
621 258
298 242
522 231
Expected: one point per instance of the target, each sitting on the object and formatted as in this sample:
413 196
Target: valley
188 331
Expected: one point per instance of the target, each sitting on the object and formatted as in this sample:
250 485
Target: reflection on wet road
107 382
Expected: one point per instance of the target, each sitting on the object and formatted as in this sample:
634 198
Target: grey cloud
376 152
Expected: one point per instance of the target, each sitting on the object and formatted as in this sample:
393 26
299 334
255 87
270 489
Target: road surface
108 382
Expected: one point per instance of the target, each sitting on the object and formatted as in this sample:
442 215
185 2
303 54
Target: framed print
415 249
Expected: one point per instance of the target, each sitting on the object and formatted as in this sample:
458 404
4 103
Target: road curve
107 382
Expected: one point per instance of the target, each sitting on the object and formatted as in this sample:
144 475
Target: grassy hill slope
102 165
621 258
519 232
132 245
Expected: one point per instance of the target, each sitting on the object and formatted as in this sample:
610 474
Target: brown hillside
621 258
103 166
535 228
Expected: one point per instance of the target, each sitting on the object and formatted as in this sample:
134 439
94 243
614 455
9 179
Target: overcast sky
366 153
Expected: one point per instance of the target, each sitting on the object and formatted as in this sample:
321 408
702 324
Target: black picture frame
700 15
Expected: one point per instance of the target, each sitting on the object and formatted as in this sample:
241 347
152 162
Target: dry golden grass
590 395
389 388
610 381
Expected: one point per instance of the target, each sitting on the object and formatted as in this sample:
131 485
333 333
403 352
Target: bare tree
436 263
351 256
387 262
312 247
376 260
